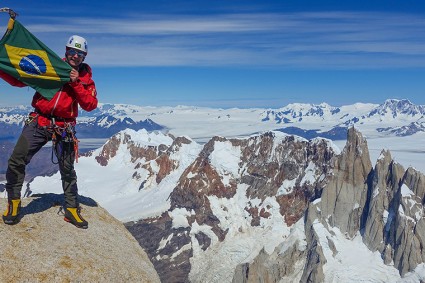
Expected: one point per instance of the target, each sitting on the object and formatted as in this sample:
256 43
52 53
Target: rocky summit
42 247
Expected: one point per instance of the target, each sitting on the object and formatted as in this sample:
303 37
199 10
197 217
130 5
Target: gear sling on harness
67 137
61 136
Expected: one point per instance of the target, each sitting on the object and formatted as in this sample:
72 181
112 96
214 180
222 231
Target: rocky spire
344 198
385 184
341 204
407 231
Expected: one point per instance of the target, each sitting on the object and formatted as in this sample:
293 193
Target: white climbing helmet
77 42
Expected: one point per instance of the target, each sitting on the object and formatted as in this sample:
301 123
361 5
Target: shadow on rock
42 202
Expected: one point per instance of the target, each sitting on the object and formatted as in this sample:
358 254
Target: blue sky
238 53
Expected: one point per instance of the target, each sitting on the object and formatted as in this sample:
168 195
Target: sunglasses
73 52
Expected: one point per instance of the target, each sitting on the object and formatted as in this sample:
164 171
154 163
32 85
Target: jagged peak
305 109
385 155
394 101
415 180
140 143
144 138
279 136
307 105
330 144
355 139
396 107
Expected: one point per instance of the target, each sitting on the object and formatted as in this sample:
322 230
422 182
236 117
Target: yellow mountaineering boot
72 215
11 214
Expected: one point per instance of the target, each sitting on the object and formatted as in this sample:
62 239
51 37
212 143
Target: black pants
31 140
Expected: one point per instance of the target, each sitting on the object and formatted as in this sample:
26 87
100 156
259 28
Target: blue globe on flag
33 65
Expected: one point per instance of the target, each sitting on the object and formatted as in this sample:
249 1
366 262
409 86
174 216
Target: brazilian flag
26 58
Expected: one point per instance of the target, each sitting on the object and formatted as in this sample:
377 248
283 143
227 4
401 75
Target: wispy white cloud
296 40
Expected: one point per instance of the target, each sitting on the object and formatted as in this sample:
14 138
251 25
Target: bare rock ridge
44 248
265 164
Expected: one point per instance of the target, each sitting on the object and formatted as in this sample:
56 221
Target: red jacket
64 104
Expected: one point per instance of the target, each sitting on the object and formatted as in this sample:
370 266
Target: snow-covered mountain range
225 195
393 117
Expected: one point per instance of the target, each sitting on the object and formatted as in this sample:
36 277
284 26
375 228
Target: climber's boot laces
72 215
11 214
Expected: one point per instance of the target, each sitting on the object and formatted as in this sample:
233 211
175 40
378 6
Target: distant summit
395 108
104 126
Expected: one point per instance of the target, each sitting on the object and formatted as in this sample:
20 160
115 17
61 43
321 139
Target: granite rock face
345 196
341 204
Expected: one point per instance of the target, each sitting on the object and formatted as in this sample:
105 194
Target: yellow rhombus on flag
26 58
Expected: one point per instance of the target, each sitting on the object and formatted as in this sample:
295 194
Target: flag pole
11 22
12 13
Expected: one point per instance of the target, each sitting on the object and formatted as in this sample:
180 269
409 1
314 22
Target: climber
53 120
